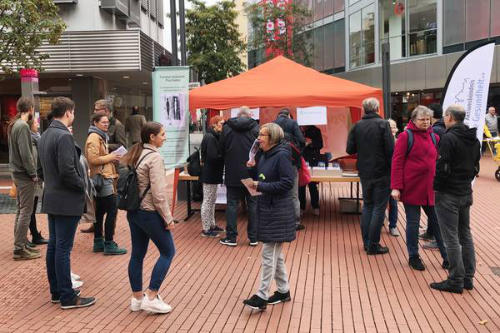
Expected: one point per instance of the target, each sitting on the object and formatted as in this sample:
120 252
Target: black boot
446 286
39 240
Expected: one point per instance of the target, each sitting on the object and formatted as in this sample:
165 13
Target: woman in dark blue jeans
152 221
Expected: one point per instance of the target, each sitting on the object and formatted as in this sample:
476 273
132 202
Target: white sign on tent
314 115
253 112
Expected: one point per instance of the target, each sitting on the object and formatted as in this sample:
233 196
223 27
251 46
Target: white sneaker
76 284
155 305
316 211
135 304
75 276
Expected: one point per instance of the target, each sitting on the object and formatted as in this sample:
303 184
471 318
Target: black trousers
33 229
105 206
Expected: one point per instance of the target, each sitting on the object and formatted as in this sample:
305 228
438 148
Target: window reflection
362 37
410 26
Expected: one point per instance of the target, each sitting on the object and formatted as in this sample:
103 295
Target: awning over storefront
281 82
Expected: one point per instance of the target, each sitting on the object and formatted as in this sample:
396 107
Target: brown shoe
25 255
88 230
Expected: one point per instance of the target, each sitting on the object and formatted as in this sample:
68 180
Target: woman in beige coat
151 221
103 174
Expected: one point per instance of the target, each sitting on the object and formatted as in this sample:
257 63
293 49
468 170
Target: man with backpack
372 140
294 136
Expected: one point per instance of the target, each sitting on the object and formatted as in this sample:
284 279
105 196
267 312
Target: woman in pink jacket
412 177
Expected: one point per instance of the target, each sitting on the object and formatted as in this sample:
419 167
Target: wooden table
184 176
342 179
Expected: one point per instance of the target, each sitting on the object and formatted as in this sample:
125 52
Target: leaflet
248 182
120 151
253 151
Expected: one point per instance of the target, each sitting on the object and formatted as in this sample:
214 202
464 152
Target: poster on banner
171 109
468 85
254 113
314 115
221 194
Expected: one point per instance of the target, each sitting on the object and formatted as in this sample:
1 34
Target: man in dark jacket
372 140
63 200
457 165
238 136
439 128
294 135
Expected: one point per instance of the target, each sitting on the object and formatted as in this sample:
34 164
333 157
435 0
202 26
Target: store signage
171 109
468 85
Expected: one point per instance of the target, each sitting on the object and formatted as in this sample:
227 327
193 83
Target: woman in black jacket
275 213
211 176
312 155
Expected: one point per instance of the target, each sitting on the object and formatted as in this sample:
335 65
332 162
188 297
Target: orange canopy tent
281 82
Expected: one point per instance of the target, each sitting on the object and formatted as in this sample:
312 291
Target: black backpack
128 188
194 164
411 139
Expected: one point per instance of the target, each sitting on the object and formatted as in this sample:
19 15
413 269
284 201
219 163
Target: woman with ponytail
152 220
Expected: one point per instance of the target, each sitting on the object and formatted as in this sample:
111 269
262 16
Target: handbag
98 181
194 164
304 173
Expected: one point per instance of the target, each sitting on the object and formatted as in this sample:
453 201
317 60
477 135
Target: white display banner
253 112
468 85
221 194
314 115
171 109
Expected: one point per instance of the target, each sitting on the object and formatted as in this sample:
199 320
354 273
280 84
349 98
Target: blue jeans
393 213
61 236
413 223
234 195
146 225
375 197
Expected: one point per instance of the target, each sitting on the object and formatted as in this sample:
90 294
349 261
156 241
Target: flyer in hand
253 151
248 182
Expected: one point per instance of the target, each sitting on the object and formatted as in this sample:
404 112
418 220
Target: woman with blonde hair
275 213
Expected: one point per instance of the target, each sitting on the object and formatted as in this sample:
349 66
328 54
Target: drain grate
495 270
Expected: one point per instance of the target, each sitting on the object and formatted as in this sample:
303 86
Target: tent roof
281 82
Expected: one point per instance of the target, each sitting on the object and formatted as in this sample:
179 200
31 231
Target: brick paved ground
335 287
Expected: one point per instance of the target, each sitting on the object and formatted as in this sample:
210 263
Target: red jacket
413 175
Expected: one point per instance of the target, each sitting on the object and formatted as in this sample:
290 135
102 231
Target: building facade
426 38
108 50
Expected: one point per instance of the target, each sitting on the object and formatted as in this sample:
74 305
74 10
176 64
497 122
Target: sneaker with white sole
75 276
155 305
76 284
135 304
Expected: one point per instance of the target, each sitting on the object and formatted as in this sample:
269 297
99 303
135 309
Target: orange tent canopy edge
282 82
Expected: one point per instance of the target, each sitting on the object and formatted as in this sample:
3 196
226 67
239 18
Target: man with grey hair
238 136
457 165
372 140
